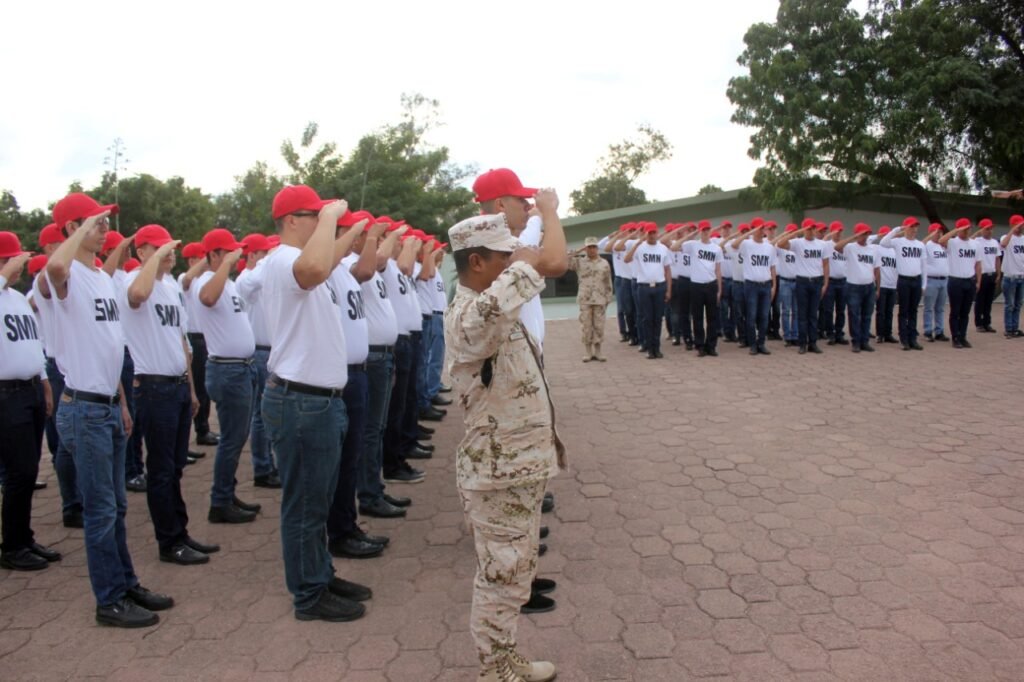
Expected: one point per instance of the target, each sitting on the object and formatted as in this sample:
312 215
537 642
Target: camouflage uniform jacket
595 280
495 369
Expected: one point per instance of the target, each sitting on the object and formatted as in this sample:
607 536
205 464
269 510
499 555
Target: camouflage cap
590 241
488 231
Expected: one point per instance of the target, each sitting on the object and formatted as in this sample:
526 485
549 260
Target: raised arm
212 290
553 261
142 287
58 267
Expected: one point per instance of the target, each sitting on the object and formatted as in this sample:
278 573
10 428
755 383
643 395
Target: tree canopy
612 185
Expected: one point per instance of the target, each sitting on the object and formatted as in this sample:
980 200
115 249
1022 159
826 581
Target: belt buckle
653 284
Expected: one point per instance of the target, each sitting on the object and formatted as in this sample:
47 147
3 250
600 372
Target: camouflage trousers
506 527
592 323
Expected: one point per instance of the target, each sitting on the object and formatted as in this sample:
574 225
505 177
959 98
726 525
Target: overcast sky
203 90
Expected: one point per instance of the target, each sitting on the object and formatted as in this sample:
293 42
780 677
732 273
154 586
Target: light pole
117 163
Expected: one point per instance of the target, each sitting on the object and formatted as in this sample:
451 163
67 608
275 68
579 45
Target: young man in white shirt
862 277
726 313
92 419
886 295
706 289
193 254
624 291
153 314
911 280
737 292
302 405
433 301
785 265
964 279
988 250
1012 270
653 272
682 285
834 301
937 269
26 401
811 268
758 258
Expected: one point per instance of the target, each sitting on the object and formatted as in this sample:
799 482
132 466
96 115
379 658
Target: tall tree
185 211
246 208
612 186
24 224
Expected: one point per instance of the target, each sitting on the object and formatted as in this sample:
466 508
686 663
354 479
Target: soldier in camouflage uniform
593 296
510 448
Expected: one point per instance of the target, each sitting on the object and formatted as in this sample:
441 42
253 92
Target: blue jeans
431 359
342 517
787 303
164 419
620 316
860 301
758 307
641 324
379 374
94 434
394 452
133 453
726 319
808 297
259 441
652 308
739 310
232 387
63 462
306 431
1013 295
835 308
627 308
935 306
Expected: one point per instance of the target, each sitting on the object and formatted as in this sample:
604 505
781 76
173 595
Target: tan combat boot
590 353
537 671
597 353
499 671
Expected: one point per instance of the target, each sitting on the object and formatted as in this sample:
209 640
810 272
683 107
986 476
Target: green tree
612 186
185 211
24 224
709 189
246 208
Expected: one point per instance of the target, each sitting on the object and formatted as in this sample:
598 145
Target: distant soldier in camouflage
594 294
510 448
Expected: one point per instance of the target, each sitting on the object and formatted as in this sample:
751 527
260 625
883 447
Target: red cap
274 240
792 227
715 235
10 245
935 227
820 227
255 242
770 224
240 266
110 240
984 223
862 228
724 224
151 234
439 245
221 239
650 227
36 263
962 223
1016 220
744 227
884 229
500 182
808 222
352 217
51 234
295 198
911 221
78 206
193 250
131 264
704 225
97 262
756 223
836 226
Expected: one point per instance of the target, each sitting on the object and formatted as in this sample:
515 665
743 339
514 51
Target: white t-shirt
225 325
45 307
937 264
650 261
887 266
307 340
21 349
703 258
382 327
353 314
1013 257
810 256
910 256
155 329
962 255
439 296
191 327
120 278
675 263
250 284
403 299
785 263
622 268
424 290
532 314
758 260
836 262
89 320
988 250
861 262
735 259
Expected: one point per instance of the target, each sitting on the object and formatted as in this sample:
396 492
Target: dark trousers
393 452
883 312
983 303
620 315
652 308
627 307
133 454
163 416
775 317
908 293
379 380
410 426
834 303
704 306
682 290
808 297
961 297
22 420
860 302
758 297
739 310
202 419
342 517
727 322
641 323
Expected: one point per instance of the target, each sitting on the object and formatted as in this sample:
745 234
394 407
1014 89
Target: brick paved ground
843 516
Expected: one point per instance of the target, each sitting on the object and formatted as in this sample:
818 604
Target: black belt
972 277
837 279
439 312
817 278
88 397
910 277
939 277
296 387
767 282
787 279
428 317
415 334
15 384
161 379
403 336
229 361
358 367
266 348
381 349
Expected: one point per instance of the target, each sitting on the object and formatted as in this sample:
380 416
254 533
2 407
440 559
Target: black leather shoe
354 548
634 343
444 389
207 439
349 590
230 514
965 343
989 330
814 348
183 555
842 341
712 352
23 559
547 506
855 349
905 346
190 460
941 337
50 555
271 480
623 339
360 534
427 430
431 414
253 507
542 586
429 447
832 342
957 344
867 347
538 604
676 342
422 435
542 549
136 484
438 400
916 346
381 509
891 339
753 350
74 520
544 532
397 501
404 475
763 351
196 454
420 452
701 352
332 608
126 614
201 546
152 601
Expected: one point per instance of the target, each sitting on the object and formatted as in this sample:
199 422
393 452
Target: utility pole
117 162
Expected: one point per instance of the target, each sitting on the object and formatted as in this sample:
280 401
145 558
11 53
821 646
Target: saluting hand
334 210
546 200
233 257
